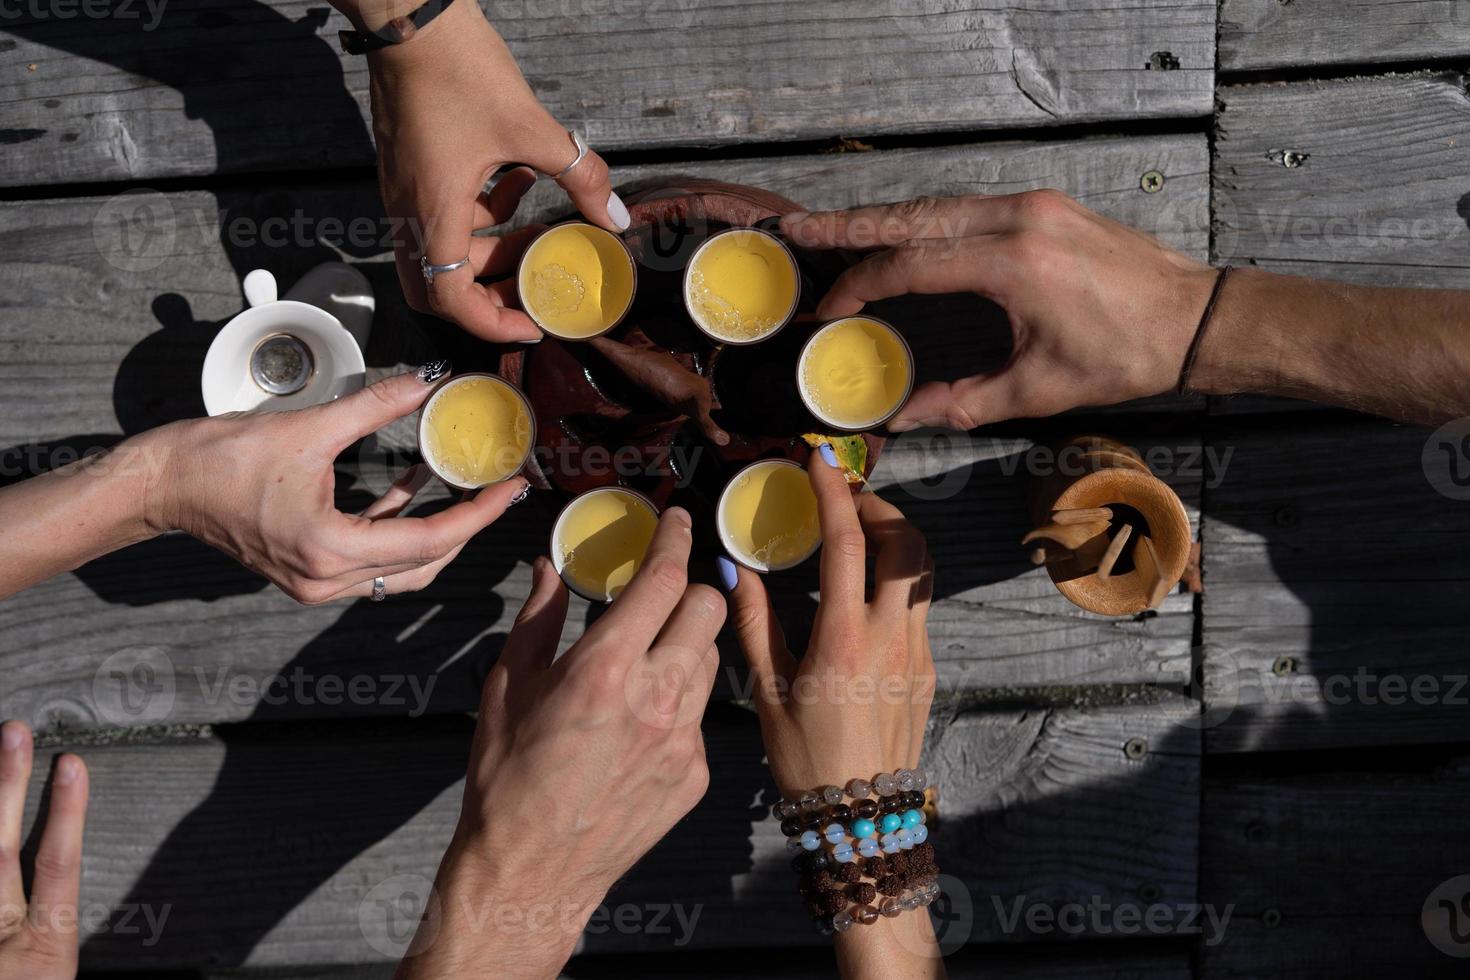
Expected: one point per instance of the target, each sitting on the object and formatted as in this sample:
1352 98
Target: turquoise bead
862 829
912 818
834 833
843 853
891 822
810 840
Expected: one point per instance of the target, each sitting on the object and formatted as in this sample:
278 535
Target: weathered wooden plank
210 87
1329 874
1256 36
276 850
1345 179
1335 590
92 346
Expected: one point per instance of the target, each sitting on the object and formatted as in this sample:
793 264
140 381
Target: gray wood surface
1329 873
1257 35
1375 198
1335 583
96 342
273 847
248 85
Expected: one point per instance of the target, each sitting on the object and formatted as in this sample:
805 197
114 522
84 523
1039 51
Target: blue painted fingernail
729 574
828 455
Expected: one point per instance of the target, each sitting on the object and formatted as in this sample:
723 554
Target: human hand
38 937
857 703
1100 313
260 488
579 765
449 108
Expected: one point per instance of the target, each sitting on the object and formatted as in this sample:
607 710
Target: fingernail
521 494
68 768
904 425
729 574
434 370
829 456
680 516
618 212
12 737
534 340
795 217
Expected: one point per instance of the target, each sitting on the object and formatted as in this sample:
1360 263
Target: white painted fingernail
618 212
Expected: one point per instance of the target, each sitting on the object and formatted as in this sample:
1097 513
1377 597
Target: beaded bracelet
837 844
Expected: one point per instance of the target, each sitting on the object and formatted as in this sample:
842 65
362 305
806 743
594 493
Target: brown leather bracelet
396 31
1199 334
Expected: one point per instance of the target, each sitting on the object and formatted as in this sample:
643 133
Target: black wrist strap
396 31
1199 334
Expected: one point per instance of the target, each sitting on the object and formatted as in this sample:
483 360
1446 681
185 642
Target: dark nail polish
434 370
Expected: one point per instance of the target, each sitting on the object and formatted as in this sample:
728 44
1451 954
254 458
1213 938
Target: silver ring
431 270
380 589
582 151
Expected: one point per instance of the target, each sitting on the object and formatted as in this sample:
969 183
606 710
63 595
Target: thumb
962 404
588 184
761 638
364 412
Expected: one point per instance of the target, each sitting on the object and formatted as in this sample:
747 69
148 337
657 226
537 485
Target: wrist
1239 350
160 494
372 15
434 42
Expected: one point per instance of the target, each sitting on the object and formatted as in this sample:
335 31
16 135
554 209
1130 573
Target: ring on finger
582 152
380 589
430 270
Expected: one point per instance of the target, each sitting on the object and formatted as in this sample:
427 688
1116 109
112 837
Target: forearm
59 520
901 948
1401 353
484 913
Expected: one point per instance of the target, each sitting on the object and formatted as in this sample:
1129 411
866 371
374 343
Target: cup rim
439 390
724 536
882 420
689 270
558 561
632 295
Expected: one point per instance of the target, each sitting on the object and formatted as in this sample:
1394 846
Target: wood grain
1335 584
96 343
1328 873
272 847
225 87
1309 33
1372 196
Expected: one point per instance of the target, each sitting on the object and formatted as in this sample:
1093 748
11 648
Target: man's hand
580 764
450 107
1100 313
38 937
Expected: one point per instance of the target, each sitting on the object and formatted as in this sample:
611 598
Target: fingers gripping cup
599 541
577 281
854 374
475 430
741 286
767 516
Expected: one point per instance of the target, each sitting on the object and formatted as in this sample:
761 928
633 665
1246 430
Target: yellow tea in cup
577 281
855 373
599 540
767 516
741 286
477 429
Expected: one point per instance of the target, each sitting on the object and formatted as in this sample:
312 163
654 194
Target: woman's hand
1100 313
579 765
38 937
260 488
450 107
857 702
